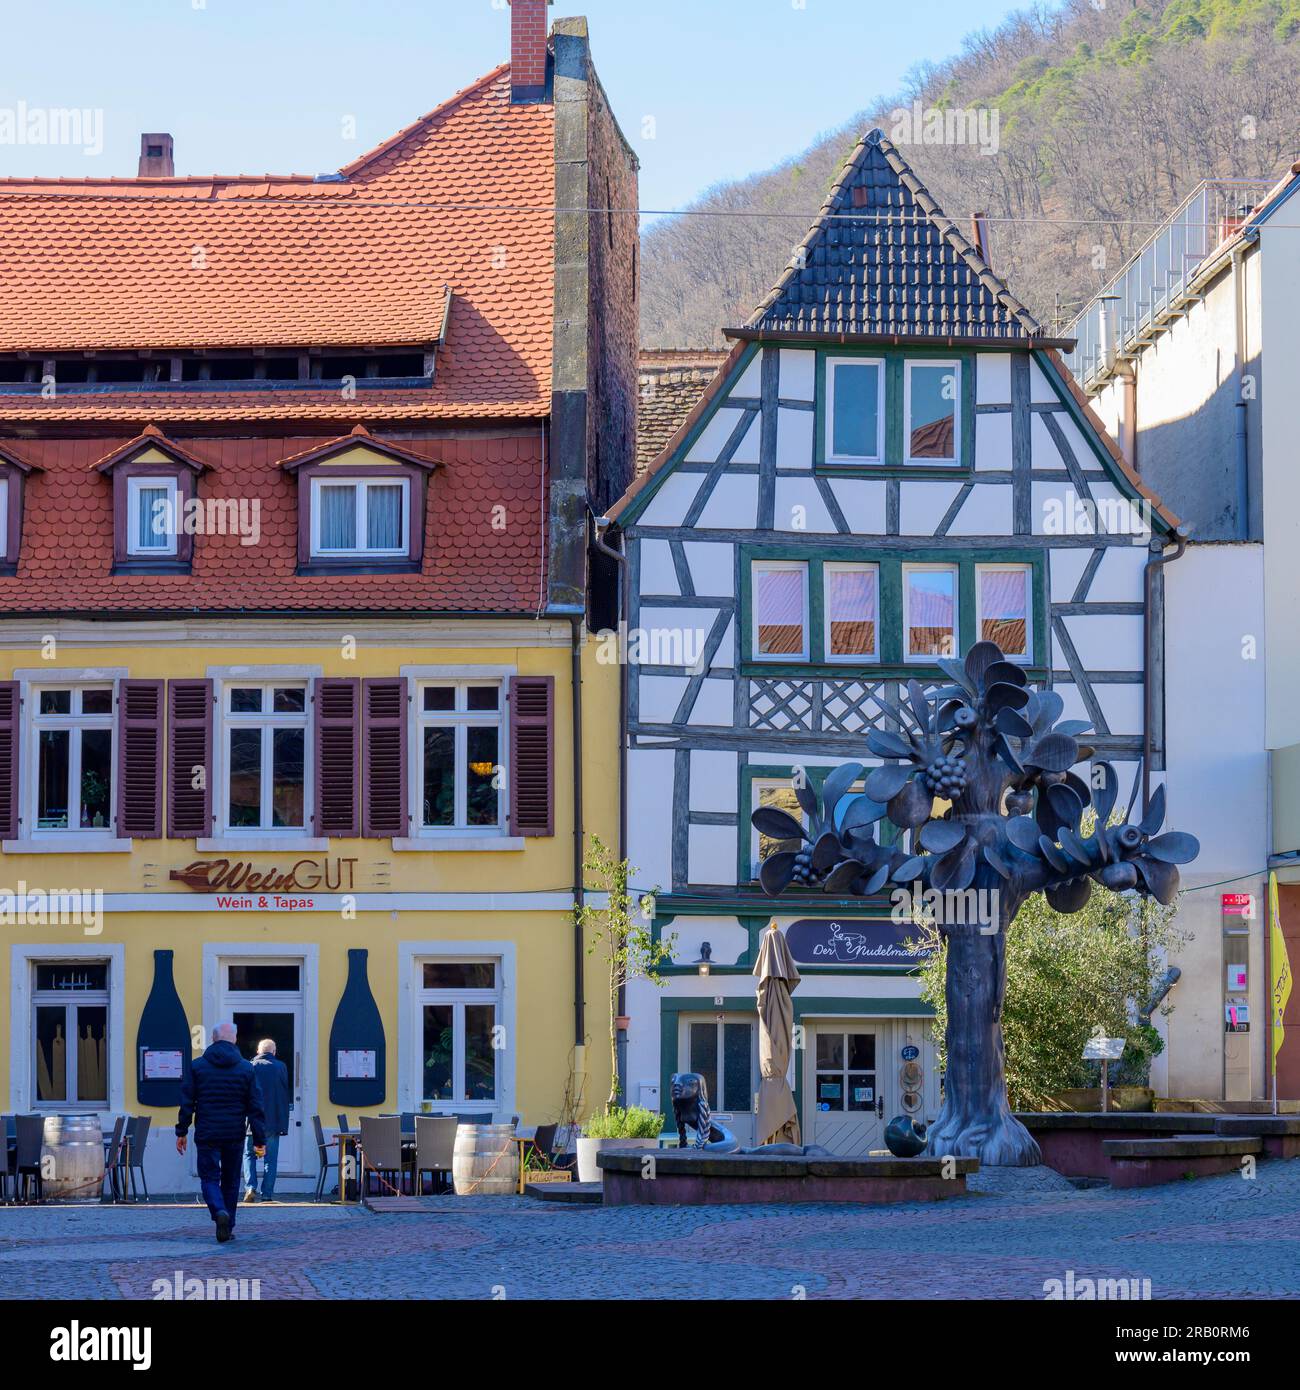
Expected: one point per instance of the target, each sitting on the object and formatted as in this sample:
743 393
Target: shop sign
241 887
825 941
1237 905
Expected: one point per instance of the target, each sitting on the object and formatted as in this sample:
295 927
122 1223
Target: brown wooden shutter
532 736
189 733
338 756
9 706
140 760
383 758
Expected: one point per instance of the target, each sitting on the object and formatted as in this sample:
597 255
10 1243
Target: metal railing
1124 313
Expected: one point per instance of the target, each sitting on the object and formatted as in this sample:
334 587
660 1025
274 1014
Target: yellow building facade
470 954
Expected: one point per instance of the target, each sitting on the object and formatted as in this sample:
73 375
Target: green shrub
635 1122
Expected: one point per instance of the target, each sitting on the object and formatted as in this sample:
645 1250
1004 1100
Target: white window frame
848 567
460 720
22 1064
757 566
908 365
828 443
91 998
927 658
265 720
4 521
502 1016
76 722
719 1021
362 486
1026 657
133 489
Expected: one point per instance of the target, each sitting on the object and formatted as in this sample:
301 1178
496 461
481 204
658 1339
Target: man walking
221 1096
273 1084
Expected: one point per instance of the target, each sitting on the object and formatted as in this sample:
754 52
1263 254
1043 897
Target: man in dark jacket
273 1084
221 1096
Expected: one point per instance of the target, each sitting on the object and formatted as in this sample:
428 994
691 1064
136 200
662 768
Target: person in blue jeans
222 1098
273 1084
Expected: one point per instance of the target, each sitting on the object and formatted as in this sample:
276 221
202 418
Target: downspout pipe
1241 438
1158 559
579 839
602 526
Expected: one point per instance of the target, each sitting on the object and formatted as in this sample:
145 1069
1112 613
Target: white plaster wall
713 567
649 824
1280 353
1217 785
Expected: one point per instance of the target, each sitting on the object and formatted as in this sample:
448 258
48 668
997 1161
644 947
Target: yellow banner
1280 985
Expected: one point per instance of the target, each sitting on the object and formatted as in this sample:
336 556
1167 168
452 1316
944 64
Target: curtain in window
384 518
780 612
151 518
1004 609
338 518
851 595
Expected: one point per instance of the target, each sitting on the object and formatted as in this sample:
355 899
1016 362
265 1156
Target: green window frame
895 455
891 659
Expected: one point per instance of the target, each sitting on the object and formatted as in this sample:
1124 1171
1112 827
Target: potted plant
633 1128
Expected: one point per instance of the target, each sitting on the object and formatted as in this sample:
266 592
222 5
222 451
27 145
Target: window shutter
9 760
383 758
139 759
189 731
532 736
338 756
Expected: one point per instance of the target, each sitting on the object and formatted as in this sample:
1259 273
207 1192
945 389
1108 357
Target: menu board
356 1065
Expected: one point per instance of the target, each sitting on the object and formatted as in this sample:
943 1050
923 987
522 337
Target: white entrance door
844 1104
725 1053
263 997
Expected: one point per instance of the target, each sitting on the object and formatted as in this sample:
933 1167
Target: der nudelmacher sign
826 941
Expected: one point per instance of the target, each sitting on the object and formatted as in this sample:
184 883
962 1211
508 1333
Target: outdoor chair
381 1148
344 1127
435 1139
542 1145
113 1147
137 1136
323 1147
4 1163
30 1130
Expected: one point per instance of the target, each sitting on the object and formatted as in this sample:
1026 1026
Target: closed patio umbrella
777 1120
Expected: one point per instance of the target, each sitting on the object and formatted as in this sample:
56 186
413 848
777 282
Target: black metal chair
323 1147
4 1165
113 1158
344 1127
30 1132
137 1133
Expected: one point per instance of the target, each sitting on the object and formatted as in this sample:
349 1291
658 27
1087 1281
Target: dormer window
153 481
358 517
13 477
152 511
362 504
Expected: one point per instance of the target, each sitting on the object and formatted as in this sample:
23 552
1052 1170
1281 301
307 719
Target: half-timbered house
892 464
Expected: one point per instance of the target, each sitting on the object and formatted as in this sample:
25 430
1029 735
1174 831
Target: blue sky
253 86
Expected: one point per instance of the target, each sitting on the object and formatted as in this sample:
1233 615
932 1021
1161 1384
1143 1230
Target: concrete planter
589 1148
1088 1099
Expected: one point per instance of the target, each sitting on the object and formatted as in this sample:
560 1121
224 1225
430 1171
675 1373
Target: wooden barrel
72 1156
485 1159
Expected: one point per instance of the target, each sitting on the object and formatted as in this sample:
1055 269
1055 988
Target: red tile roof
67 546
461 198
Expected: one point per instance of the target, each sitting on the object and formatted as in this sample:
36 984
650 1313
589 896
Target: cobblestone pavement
1222 1237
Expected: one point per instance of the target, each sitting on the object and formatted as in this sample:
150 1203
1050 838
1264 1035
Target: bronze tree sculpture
993 749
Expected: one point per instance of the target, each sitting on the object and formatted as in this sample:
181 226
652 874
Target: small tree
618 929
1067 975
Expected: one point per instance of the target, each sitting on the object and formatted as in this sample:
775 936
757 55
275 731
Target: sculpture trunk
976 1119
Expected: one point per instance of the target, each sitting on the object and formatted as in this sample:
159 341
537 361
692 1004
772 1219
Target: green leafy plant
635 1122
622 933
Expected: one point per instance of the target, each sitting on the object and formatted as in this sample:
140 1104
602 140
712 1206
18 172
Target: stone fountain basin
678 1177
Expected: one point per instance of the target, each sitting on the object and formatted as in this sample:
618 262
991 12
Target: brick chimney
528 50
156 157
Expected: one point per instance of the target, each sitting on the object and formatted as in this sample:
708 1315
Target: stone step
1182 1146
1234 1125
574 1193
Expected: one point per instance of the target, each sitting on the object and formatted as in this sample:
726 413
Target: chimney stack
156 157
528 50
